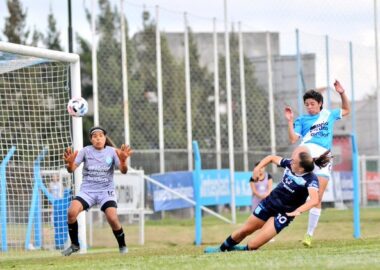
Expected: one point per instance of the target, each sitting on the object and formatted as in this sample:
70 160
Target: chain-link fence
181 77
190 77
180 94
183 67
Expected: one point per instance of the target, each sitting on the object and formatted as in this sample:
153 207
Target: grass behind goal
169 245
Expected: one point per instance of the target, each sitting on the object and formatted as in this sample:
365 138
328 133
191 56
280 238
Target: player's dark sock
73 232
240 248
228 244
119 234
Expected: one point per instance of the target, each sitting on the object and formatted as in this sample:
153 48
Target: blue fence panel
181 182
215 189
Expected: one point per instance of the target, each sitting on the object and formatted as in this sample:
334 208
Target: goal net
35 128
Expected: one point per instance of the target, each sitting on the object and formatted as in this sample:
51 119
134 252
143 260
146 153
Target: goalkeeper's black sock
120 237
228 244
73 232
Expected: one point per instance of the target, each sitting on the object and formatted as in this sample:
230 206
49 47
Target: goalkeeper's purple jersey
98 168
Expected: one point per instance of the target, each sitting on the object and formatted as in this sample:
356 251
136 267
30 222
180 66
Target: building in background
366 125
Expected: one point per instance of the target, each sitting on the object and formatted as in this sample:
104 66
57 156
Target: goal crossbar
38 52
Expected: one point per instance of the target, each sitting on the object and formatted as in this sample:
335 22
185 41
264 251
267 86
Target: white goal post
35 128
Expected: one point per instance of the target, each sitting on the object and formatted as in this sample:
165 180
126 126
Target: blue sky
341 20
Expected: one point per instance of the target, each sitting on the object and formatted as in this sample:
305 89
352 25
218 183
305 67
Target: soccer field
169 246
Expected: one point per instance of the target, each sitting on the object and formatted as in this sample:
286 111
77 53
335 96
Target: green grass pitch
169 245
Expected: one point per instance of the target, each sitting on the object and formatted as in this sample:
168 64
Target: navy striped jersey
292 191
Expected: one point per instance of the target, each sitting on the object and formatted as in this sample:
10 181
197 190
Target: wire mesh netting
35 130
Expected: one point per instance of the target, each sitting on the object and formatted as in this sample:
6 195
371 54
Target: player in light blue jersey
100 158
315 129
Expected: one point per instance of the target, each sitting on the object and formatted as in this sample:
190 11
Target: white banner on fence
128 189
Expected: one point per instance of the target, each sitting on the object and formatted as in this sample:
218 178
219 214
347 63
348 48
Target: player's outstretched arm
312 202
345 103
123 154
293 137
263 163
69 158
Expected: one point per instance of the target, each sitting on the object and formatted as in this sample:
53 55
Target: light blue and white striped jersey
98 168
317 129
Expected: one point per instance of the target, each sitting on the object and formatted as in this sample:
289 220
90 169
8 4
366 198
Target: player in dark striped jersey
285 202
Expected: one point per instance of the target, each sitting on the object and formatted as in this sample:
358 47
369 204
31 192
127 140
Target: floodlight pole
377 76
243 101
70 29
218 146
95 95
229 116
125 75
188 95
161 141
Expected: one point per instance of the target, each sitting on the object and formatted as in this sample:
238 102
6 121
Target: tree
52 40
144 109
36 37
256 102
108 67
86 82
203 120
109 71
144 92
15 23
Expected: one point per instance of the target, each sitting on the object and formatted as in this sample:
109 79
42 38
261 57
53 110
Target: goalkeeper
97 187
285 202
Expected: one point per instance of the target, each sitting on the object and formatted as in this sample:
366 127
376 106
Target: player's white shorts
317 151
97 197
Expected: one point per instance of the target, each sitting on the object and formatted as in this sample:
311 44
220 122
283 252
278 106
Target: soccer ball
77 107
